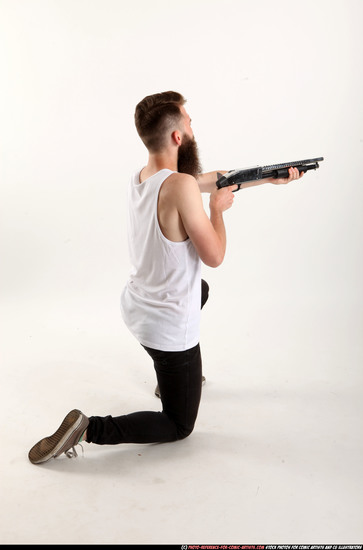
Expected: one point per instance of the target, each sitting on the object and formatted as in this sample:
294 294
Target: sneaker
65 438
157 390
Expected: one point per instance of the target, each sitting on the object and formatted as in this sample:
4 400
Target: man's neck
159 162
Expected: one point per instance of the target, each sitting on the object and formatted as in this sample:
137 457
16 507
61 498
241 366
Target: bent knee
184 432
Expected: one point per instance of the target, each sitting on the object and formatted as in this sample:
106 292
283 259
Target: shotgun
241 176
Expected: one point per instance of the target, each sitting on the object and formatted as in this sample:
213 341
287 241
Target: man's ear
177 137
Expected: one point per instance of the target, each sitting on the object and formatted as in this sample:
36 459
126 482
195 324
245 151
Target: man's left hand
293 175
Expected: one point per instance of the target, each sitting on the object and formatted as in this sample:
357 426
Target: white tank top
162 298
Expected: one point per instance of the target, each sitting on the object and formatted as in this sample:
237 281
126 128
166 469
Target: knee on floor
184 432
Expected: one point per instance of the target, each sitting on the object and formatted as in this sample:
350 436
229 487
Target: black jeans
179 375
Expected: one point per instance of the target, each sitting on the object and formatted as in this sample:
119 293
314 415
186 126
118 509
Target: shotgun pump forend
238 177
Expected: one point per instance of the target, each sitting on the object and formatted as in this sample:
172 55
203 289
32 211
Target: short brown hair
155 115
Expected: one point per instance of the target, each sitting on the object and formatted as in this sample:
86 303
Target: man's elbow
214 260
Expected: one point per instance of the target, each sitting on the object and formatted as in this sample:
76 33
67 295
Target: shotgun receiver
239 177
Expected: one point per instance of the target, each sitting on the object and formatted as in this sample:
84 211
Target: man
170 235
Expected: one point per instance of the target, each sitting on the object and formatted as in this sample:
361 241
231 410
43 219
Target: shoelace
72 453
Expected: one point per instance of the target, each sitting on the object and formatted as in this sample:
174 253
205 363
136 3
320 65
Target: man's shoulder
181 187
180 190
182 178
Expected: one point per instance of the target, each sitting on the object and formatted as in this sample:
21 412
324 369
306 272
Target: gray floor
276 455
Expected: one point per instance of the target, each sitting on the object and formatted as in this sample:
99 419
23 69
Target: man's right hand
222 199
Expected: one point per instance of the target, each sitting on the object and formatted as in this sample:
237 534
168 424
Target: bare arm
207 234
207 181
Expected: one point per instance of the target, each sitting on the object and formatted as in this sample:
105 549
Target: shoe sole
58 443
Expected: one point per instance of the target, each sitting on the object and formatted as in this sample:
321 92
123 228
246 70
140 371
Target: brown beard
188 157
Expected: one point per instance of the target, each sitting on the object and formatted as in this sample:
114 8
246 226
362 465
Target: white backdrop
266 82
